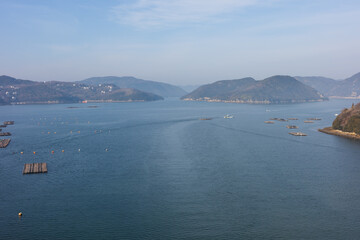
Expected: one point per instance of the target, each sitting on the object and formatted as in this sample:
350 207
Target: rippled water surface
155 171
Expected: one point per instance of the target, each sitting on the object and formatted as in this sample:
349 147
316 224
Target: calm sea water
168 175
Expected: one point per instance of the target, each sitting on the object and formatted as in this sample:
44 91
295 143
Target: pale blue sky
179 42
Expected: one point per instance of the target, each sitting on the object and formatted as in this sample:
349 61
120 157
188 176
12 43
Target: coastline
251 101
331 131
87 101
339 97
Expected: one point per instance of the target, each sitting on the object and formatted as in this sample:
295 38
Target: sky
181 42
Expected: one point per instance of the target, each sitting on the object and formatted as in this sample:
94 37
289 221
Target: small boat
292 127
205 119
228 116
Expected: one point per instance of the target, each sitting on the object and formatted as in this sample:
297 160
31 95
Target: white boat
228 116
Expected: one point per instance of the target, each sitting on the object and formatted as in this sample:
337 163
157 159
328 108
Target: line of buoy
52 152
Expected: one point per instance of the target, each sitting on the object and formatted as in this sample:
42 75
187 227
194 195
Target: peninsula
346 124
158 88
17 91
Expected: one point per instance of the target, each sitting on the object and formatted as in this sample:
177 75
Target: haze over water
155 171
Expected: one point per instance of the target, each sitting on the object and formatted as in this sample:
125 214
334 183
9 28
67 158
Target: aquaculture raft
35 168
4 134
269 122
4 143
297 134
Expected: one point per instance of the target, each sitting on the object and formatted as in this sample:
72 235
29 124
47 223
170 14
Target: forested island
276 89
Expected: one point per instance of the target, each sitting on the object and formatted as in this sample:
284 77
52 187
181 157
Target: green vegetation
159 88
276 89
353 125
15 91
348 120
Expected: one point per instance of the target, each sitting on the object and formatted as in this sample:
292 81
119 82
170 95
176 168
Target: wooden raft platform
4 143
35 168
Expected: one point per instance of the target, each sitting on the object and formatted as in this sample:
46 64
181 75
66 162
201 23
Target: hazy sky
178 41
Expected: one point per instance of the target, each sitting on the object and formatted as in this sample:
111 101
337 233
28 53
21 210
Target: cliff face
348 120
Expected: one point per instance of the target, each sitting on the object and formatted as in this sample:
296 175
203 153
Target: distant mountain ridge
276 89
17 91
348 88
159 88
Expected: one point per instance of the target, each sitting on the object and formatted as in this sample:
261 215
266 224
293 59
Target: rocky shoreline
331 131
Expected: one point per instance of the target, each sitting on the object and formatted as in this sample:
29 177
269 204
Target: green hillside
276 89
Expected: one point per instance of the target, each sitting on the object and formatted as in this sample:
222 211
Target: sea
154 170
